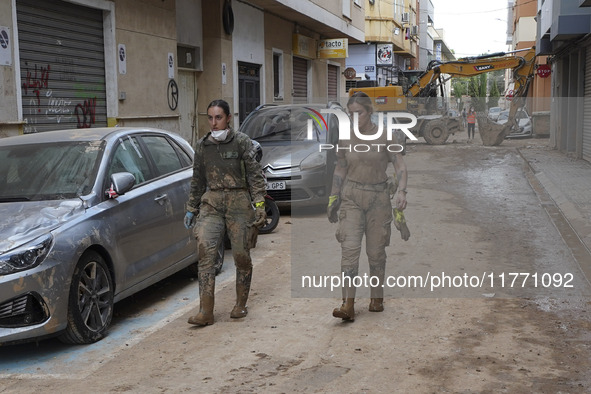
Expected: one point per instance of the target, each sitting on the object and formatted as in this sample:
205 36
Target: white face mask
220 135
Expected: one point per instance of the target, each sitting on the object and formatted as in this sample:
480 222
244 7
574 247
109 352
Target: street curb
550 199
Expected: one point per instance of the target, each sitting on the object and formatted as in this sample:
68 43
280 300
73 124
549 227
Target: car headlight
316 159
26 256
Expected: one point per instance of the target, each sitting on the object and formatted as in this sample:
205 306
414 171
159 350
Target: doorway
249 88
188 106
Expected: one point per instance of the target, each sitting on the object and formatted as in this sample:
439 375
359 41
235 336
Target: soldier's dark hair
223 104
362 99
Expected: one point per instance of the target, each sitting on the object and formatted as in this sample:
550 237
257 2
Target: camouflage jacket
230 164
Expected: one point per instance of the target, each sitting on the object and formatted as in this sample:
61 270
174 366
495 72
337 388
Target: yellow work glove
400 223
334 202
260 216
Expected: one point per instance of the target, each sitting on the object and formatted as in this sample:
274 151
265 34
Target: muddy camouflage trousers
222 211
365 210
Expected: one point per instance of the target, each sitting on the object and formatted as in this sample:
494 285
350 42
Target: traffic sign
544 70
510 95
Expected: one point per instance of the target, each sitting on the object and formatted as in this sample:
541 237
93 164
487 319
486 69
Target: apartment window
347 9
399 9
350 84
277 74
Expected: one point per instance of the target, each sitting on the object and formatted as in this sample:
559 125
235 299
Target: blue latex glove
189 220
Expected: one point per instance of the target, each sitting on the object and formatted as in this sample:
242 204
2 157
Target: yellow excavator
419 97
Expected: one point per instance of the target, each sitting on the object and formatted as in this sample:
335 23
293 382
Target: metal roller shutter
62 65
333 81
300 80
587 110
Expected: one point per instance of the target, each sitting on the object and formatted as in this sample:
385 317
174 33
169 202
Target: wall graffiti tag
53 97
63 72
58 108
85 113
37 80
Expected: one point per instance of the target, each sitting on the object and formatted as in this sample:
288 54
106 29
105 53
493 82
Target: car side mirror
121 183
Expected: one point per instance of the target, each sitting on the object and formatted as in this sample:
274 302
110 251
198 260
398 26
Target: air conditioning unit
414 31
405 17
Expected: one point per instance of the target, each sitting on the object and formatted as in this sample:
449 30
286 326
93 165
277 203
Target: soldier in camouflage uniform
361 190
227 182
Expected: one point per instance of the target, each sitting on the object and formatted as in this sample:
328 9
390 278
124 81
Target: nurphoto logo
392 124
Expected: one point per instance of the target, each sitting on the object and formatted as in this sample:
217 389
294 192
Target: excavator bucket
491 133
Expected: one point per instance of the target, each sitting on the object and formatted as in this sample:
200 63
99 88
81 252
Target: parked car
523 120
89 217
298 172
493 113
453 113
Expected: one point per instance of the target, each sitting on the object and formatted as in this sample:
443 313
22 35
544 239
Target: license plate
277 185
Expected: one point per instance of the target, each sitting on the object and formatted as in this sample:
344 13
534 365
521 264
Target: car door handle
160 199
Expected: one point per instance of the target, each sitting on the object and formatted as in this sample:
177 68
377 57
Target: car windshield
47 171
285 124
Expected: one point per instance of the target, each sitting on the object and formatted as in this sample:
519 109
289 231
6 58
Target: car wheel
272 212
90 304
218 264
436 133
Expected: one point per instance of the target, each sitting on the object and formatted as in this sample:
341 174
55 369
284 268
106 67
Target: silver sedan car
89 217
298 171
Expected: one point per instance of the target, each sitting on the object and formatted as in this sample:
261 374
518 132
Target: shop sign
333 48
304 46
384 54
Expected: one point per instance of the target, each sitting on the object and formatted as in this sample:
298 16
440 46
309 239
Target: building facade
521 35
391 44
158 63
426 30
272 56
563 29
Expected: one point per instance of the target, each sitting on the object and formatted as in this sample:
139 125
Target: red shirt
471 117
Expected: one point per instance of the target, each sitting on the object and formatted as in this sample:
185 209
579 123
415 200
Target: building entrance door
249 88
188 106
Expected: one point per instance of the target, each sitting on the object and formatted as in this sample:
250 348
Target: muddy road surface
514 315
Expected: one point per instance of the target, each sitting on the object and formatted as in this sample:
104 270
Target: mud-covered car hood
285 156
25 221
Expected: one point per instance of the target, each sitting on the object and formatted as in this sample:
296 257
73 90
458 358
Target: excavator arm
436 130
523 67
523 72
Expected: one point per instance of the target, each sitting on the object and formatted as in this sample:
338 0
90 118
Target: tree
493 98
459 88
477 90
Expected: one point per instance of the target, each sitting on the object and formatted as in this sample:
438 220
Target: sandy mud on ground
470 210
